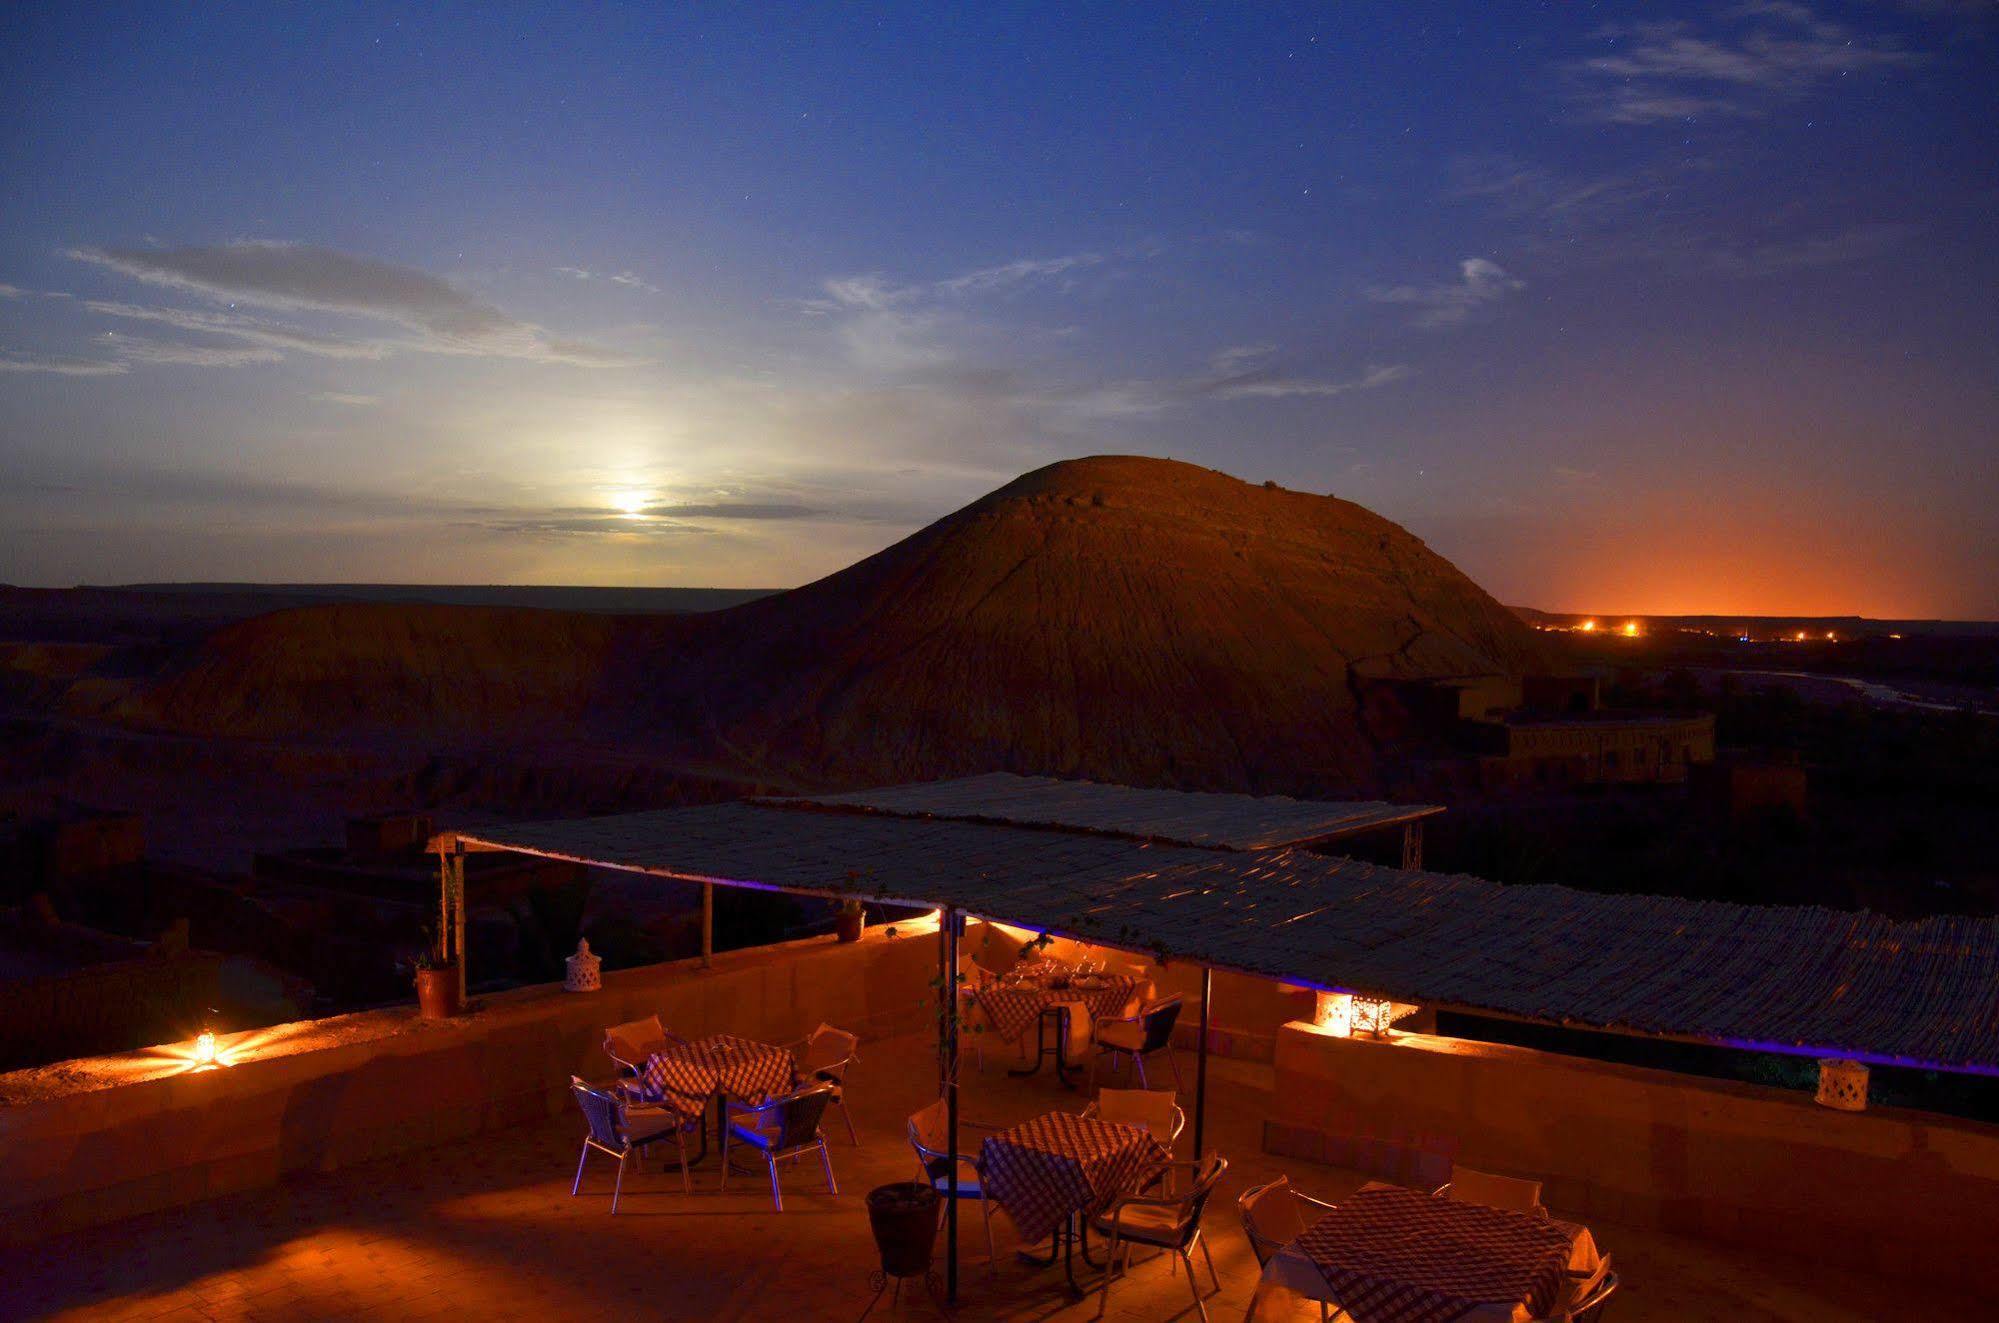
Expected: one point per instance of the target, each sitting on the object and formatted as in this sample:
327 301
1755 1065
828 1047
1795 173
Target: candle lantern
1842 1085
1334 1014
1372 1016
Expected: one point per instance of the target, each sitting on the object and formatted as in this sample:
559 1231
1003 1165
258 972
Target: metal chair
1587 1307
623 1129
632 1043
1134 1038
1167 1222
1273 1215
1468 1186
781 1128
928 1135
824 1054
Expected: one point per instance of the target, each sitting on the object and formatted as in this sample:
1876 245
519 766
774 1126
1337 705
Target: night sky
1622 308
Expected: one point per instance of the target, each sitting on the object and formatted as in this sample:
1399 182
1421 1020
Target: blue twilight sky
1622 307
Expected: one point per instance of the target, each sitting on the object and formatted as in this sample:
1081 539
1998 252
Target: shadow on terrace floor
487 1230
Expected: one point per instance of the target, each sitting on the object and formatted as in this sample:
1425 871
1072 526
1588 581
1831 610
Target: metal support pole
707 925
1201 1065
1412 844
948 937
457 890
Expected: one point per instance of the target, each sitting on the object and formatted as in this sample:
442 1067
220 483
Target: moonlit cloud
1481 283
61 367
436 315
1777 50
135 349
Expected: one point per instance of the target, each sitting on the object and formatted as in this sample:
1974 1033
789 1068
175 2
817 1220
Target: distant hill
1116 617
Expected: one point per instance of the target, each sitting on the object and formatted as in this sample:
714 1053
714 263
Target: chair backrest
600 1112
1469 1186
629 1044
1205 1180
1160 1018
828 1050
1587 1307
1271 1217
1151 1108
798 1116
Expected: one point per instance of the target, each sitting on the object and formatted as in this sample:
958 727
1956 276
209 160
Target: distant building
1552 730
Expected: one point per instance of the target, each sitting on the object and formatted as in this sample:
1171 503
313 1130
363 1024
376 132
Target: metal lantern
1372 1016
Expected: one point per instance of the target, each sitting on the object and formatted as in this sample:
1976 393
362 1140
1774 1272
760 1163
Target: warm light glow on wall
1334 1014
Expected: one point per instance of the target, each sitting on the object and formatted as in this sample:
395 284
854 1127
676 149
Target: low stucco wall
1901 1193
98 1139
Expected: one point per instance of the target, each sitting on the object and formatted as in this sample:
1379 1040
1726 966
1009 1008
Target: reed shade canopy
1802 980
1173 817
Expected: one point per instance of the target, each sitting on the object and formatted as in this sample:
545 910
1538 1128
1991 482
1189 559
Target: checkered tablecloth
1043 1170
685 1075
1390 1255
1014 1007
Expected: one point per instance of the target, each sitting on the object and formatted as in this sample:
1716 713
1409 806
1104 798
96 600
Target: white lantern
1334 1014
1372 1016
585 971
1842 1084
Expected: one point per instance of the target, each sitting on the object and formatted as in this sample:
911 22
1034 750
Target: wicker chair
779 1129
624 1129
1134 1038
928 1135
825 1054
632 1043
1167 1222
1468 1186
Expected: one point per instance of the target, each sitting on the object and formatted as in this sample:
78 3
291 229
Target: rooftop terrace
486 1229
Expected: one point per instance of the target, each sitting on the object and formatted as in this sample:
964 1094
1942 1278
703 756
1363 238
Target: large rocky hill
1116 617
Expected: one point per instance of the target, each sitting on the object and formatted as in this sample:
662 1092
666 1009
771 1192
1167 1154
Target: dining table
685 1076
1059 1003
1053 1172
1386 1254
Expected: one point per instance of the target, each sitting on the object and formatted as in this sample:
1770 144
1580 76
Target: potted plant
849 920
437 984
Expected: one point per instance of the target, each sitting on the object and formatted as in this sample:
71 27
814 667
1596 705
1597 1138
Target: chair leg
686 1181
776 1187
1139 1062
725 1157
1110 1269
581 1158
1173 1060
826 1161
1193 1285
848 1117
992 1251
1213 1276
619 1188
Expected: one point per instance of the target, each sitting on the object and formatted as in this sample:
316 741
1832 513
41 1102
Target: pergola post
451 909
1201 1063
1412 843
947 1057
707 925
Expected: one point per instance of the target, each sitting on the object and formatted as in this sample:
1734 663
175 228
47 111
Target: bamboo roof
1179 817
1800 980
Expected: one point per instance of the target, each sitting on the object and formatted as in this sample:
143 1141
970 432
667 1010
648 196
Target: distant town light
1587 627
1631 629
1334 1014
1801 636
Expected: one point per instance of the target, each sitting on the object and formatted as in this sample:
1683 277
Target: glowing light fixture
204 1048
1373 1016
1631 629
1334 1014
1587 627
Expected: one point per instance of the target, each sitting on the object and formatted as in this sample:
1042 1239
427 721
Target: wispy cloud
346 398
1250 372
255 330
16 292
628 279
1761 53
62 367
435 315
1481 284
1853 244
137 349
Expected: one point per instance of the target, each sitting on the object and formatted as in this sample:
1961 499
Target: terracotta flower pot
904 1219
849 926
437 992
